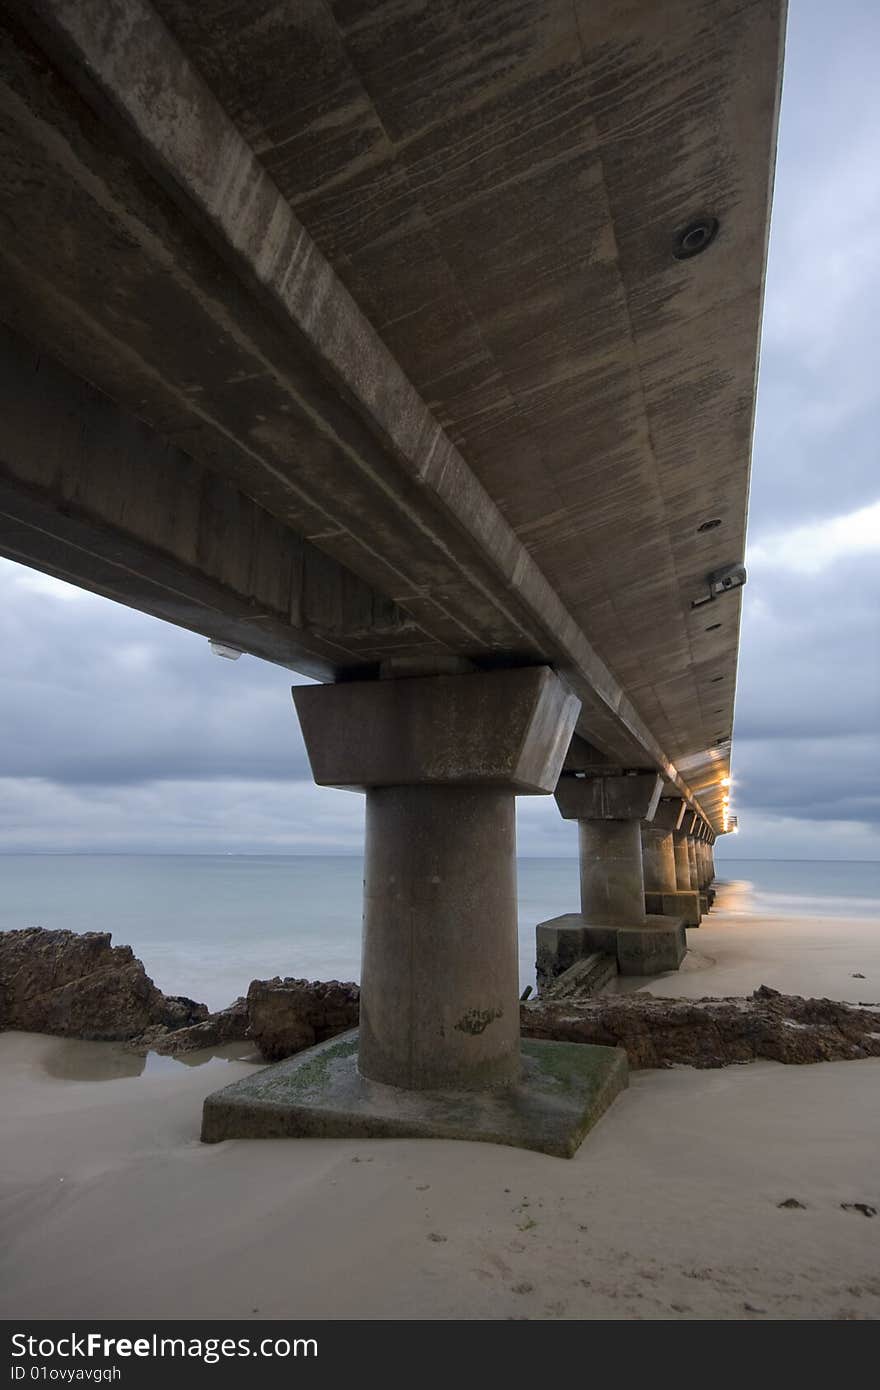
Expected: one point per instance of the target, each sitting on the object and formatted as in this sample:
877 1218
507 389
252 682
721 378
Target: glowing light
725 781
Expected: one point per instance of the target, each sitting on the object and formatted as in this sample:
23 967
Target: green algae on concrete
319 1093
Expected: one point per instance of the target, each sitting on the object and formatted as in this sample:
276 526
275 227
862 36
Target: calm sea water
207 925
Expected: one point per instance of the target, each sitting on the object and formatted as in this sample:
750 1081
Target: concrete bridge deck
400 283
399 339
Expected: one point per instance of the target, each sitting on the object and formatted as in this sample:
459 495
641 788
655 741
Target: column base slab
645 948
320 1094
684 903
657 947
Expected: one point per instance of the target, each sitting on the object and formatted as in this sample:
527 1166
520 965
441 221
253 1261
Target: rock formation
710 1032
225 1026
286 1015
80 986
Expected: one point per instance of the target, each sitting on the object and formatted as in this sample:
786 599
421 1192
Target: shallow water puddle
76 1060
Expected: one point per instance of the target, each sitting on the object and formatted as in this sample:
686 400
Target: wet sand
111 1207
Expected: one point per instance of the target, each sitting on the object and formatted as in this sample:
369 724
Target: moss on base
319 1093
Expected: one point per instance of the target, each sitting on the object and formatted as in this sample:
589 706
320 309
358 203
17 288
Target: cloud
815 546
819 393
92 692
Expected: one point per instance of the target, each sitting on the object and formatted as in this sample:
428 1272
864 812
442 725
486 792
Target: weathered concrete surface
449 345
81 986
497 728
711 1032
678 904
658 859
682 863
694 884
561 1093
587 976
612 885
599 797
440 977
661 944
441 758
138 520
563 941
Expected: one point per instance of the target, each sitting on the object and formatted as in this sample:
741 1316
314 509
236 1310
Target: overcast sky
123 733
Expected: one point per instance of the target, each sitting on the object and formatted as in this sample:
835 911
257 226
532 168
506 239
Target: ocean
206 925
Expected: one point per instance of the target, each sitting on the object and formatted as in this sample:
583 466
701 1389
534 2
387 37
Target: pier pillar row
665 852
682 860
441 759
692 862
612 924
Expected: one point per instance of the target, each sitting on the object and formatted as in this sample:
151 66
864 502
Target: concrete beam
93 496
494 728
239 340
632 797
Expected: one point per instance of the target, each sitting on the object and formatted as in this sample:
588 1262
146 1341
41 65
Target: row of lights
730 822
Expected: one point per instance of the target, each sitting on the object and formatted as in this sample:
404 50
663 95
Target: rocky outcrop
711 1032
81 986
286 1015
225 1026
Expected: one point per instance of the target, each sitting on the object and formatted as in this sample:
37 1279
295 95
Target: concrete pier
682 862
440 977
333 432
613 920
441 759
692 863
612 886
664 865
658 855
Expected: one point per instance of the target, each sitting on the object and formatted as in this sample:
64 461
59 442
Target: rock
710 1032
81 986
225 1026
286 1015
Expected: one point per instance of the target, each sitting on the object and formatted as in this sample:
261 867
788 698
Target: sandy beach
671 1209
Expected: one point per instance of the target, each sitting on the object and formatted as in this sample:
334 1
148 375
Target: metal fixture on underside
224 649
722 582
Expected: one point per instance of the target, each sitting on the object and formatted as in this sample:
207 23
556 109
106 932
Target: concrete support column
439 972
612 884
658 857
694 884
613 921
682 862
441 759
704 865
